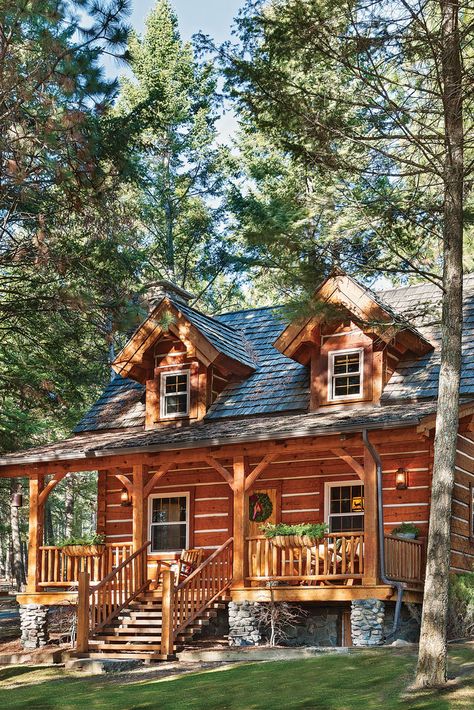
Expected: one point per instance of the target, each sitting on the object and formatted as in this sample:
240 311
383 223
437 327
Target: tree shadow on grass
13 671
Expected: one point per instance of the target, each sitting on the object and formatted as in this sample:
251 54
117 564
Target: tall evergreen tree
176 198
380 93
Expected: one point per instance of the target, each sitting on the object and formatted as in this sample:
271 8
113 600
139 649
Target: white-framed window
345 377
174 394
344 506
169 522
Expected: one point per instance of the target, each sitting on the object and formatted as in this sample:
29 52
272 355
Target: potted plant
92 545
408 531
299 535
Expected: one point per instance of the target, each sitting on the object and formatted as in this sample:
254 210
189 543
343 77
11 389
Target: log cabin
212 425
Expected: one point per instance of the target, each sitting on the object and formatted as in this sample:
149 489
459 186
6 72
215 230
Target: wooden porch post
139 525
167 632
240 522
83 610
371 554
35 532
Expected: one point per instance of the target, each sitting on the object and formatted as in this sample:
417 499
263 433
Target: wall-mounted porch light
401 479
17 498
125 497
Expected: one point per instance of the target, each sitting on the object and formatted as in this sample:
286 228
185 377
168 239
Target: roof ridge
209 317
248 310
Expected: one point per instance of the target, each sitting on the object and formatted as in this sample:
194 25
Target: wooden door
254 528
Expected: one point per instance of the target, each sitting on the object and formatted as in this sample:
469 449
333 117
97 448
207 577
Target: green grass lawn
362 681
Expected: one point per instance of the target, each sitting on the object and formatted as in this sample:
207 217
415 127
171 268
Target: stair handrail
183 603
118 590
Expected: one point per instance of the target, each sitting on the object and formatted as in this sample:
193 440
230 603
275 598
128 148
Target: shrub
317 530
406 529
90 539
461 606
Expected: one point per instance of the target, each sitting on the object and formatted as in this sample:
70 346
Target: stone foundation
34 625
317 626
409 627
243 626
367 622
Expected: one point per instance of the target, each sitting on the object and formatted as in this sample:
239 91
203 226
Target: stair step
152 656
127 637
120 646
142 622
129 630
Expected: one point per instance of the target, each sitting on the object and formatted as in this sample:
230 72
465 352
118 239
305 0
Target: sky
213 17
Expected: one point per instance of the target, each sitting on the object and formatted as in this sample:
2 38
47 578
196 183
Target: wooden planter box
83 550
291 541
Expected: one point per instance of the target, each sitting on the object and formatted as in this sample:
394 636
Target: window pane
168 537
176 404
169 510
182 383
346 523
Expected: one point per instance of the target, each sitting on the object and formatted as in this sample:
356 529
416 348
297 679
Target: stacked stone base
244 627
367 622
34 625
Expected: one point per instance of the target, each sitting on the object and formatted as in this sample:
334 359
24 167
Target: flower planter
83 550
291 541
406 536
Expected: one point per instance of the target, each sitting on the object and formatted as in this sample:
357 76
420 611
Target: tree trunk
18 570
432 658
48 524
69 507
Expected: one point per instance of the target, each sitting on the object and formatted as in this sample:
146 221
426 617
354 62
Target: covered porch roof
90 450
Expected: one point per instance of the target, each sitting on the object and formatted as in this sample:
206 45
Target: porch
338 562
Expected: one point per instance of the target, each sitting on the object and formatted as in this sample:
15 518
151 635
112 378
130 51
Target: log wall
299 480
462 543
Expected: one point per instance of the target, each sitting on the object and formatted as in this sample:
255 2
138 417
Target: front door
254 527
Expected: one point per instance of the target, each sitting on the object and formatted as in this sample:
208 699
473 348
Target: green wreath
260 507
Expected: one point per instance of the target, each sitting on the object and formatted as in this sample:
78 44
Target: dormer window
346 374
174 400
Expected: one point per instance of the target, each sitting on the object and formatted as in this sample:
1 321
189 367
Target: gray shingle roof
226 431
279 384
416 379
222 335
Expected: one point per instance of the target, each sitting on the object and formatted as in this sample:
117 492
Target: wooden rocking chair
188 561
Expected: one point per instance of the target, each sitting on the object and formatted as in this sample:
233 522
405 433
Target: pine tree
176 198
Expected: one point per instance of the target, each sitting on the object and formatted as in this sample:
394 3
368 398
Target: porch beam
125 481
240 522
303 444
155 478
50 486
213 463
35 532
258 470
350 460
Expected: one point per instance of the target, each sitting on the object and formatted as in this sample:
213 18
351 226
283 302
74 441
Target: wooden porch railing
339 557
58 570
98 605
404 559
182 604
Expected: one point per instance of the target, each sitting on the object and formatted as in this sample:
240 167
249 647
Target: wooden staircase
122 617
136 631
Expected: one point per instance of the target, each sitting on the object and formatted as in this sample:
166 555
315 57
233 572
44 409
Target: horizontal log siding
300 479
462 546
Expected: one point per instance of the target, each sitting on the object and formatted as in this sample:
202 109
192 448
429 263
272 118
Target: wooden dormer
183 357
352 346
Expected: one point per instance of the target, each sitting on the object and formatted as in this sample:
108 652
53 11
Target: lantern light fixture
125 497
401 479
17 498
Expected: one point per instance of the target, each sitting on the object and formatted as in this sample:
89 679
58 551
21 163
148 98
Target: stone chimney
158 290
